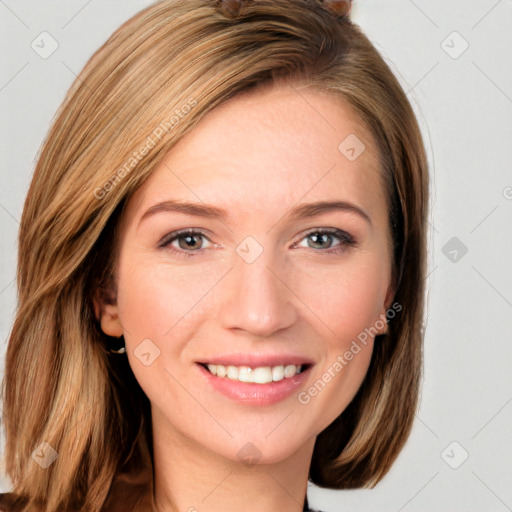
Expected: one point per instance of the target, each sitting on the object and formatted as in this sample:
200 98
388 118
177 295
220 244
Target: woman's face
257 284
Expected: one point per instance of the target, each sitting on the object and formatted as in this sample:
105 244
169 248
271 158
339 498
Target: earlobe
109 322
106 312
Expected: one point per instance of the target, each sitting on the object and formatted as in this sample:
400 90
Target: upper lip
257 360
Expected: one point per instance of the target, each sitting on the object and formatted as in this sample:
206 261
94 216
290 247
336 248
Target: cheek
154 297
162 304
335 386
347 298
349 310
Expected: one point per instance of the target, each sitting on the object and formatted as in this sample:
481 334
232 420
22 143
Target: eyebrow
214 212
320 207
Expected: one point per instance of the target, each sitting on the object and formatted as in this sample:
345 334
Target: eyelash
346 240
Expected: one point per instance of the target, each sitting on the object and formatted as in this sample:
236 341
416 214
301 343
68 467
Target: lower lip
255 394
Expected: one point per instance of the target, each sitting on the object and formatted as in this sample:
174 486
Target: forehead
280 144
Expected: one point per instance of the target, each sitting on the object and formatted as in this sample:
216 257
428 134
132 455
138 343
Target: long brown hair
146 87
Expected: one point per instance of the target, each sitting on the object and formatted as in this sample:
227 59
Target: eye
184 241
322 238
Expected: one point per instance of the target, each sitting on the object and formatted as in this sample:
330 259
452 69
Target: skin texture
258 156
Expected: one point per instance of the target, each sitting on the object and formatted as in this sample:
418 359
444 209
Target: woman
221 268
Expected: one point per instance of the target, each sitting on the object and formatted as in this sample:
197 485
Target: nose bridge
257 300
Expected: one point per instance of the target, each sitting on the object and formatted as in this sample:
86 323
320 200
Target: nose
257 298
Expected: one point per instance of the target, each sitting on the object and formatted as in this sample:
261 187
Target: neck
188 477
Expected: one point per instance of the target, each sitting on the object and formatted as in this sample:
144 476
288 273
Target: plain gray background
453 59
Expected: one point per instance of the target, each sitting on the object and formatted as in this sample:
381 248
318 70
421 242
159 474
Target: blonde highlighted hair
146 87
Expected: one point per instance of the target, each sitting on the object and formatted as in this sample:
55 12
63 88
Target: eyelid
167 239
344 236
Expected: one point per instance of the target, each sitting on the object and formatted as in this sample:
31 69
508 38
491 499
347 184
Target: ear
390 294
106 311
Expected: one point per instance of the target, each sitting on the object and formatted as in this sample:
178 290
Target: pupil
316 238
189 241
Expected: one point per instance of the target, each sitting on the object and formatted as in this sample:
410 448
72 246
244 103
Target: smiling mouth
257 375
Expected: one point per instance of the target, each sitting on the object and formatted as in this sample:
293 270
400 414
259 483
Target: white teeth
290 370
278 373
259 375
263 375
232 372
245 374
